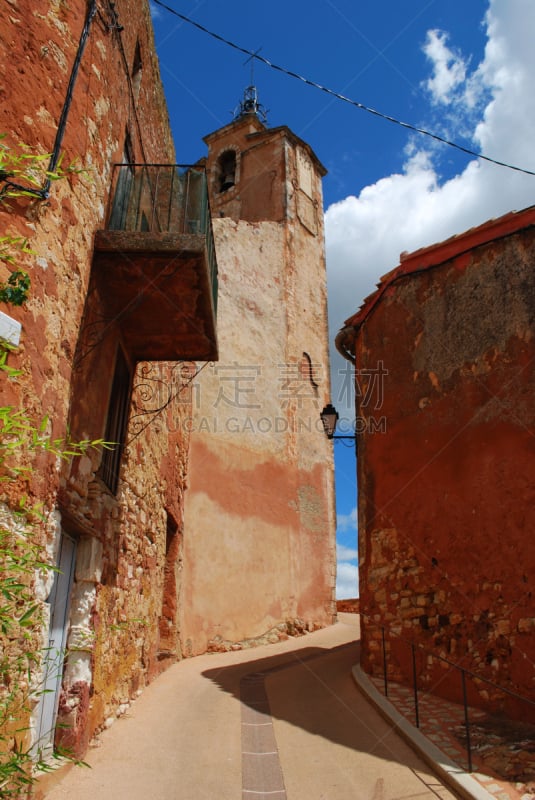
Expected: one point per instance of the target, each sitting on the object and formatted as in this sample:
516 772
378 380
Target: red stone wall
446 491
37 50
120 576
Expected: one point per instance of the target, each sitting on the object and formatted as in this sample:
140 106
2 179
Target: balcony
155 263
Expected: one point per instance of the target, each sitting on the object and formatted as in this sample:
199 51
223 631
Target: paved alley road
284 722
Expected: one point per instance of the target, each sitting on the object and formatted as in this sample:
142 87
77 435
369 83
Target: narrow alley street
282 721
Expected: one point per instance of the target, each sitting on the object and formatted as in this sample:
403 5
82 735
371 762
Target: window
116 422
123 188
226 170
136 72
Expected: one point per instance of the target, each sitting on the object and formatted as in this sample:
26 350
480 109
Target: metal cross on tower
250 103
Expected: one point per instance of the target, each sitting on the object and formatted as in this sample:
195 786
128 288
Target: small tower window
227 170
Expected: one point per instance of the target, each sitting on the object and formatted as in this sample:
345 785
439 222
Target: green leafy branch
21 615
19 435
127 624
22 556
5 349
19 165
16 289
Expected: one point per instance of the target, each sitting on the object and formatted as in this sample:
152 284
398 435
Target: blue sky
463 69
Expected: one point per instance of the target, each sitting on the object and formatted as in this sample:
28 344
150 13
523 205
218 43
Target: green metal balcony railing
163 198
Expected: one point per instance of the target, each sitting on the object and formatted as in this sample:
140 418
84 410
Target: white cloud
347 522
347 581
344 553
449 67
412 209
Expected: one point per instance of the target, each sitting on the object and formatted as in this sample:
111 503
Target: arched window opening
227 170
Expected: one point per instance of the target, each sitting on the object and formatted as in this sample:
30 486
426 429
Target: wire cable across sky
338 96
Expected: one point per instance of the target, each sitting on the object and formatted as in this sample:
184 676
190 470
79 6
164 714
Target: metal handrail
463 671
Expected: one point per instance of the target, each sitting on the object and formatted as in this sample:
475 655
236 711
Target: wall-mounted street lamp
329 417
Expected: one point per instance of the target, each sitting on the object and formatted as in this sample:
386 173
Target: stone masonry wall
39 42
120 582
445 492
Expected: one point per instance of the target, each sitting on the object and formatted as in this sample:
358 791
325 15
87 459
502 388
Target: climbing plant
22 172
15 290
22 552
21 557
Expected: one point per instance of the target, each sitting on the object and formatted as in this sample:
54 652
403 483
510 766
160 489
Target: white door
54 654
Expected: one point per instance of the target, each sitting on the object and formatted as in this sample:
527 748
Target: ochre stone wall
37 49
259 549
446 492
122 573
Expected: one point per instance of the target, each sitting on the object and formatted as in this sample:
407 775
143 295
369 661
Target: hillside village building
119 341
259 556
446 493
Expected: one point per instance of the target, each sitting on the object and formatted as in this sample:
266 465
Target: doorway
54 653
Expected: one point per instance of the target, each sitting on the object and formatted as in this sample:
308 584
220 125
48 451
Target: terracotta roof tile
442 252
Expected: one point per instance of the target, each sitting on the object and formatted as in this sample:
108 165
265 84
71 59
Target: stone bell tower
259 528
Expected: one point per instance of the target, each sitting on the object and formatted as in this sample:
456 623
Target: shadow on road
312 689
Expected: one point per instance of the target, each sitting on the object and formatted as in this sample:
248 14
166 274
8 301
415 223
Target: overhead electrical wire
338 96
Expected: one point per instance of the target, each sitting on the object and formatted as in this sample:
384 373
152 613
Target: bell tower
259 533
258 173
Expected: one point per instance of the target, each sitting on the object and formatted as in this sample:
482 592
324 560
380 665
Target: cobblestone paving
503 752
